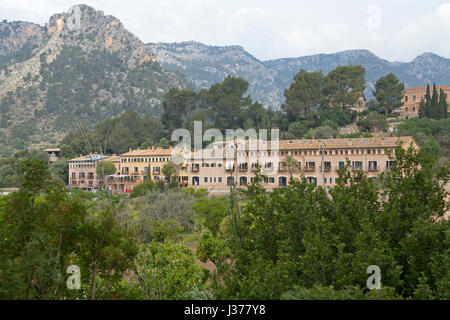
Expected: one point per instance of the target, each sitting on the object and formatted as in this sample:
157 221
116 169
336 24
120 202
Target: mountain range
84 66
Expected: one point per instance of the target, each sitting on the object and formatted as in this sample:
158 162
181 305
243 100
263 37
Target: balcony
243 167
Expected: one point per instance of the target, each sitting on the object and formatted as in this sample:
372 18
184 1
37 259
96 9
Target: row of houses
237 162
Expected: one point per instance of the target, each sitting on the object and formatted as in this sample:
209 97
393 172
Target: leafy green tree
212 210
39 230
107 249
105 168
389 92
214 249
171 171
167 271
60 169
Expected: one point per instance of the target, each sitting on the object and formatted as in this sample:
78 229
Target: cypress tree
427 103
434 112
443 105
422 109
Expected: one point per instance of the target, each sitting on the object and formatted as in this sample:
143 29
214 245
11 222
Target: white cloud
428 32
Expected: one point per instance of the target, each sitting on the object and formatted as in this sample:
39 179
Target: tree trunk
93 283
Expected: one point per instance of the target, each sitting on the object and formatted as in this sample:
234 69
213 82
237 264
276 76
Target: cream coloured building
371 155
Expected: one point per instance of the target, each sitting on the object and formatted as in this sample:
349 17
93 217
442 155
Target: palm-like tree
292 164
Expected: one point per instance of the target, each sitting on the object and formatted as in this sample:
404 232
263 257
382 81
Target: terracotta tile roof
423 89
390 142
314 144
148 152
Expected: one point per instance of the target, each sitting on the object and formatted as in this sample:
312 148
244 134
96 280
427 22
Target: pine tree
443 105
434 112
428 103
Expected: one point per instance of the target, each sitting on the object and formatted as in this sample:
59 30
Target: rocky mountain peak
91 29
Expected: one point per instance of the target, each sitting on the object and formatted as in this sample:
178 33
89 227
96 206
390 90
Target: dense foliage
297 242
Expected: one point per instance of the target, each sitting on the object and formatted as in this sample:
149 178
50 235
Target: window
205 179
74 175
414 98
373 165
406 98
310 166
219 179
357 165
390 164
341 164
219 165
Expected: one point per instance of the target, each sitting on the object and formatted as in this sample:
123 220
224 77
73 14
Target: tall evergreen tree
443 106
434 112
422 109
428 102
389 92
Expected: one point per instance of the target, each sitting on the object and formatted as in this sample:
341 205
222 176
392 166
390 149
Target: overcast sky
397 30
